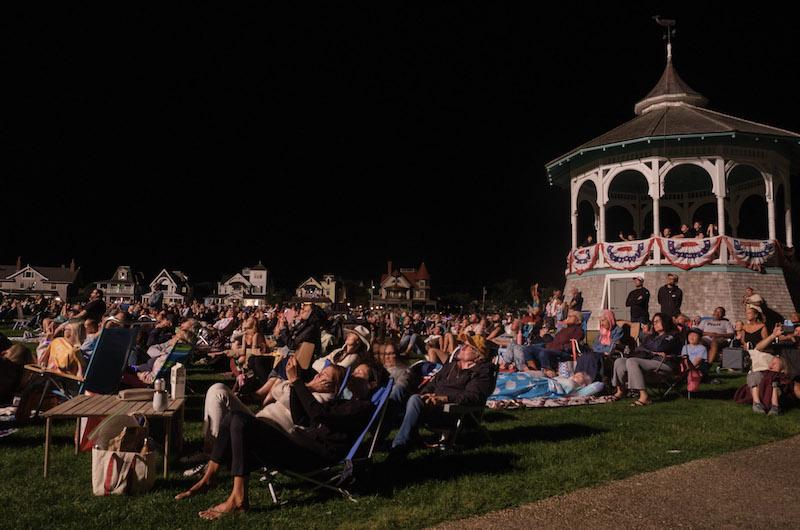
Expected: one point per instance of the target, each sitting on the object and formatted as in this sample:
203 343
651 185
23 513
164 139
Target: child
698 356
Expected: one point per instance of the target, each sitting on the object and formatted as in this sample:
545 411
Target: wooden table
85 406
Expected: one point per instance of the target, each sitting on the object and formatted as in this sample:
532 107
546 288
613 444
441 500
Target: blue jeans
519 355
413 340
408 428
548 358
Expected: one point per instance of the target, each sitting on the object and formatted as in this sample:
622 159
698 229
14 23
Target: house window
28 274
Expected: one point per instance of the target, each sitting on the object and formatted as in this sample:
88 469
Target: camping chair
180 353
102 375
336 475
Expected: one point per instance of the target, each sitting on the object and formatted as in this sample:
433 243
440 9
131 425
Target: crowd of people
696 230
281 407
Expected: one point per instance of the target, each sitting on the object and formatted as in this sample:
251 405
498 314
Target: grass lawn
533 454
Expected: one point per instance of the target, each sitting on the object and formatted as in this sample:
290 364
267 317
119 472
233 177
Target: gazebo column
601 231
721 193
771 217
788 219
656 228
574 218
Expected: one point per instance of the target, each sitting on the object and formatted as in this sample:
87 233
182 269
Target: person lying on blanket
529 385
322 434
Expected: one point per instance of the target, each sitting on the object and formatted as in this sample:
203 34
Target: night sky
334 138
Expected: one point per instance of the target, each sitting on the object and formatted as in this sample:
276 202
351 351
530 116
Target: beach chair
335 477
180 353
102 375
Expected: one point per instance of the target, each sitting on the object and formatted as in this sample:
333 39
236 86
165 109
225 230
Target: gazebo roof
672 110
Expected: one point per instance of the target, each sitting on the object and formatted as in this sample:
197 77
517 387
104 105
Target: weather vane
669 32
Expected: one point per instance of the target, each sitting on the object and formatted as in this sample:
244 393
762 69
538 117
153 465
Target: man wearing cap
639 301
466 381
670 296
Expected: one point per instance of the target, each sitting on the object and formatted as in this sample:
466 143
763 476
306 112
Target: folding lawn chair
180 353
102 375
334 477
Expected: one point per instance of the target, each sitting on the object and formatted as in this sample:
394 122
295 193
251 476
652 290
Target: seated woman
772 389
146 373
220 400
529 385
356 343
659 353
63 354
320 435
607 340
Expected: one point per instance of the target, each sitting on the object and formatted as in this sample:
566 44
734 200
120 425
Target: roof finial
669 32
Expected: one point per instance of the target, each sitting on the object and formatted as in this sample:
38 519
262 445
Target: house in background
248 288
323 292
405 287
175 286
124 287
31 280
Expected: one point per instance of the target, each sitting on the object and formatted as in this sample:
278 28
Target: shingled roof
672 109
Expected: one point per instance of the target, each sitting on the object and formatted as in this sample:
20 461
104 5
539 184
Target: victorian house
405 287
124 287
248 288
324 291
175 287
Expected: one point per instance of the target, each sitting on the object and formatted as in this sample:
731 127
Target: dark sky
334 138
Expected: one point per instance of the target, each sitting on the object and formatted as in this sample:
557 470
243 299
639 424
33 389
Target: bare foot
222 509
619 394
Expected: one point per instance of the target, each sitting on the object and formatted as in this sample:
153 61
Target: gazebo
677 162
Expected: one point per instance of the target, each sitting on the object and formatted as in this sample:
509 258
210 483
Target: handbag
122 472
122 459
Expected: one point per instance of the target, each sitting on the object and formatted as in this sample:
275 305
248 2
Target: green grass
534 454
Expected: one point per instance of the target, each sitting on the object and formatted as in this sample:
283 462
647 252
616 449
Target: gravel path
708 493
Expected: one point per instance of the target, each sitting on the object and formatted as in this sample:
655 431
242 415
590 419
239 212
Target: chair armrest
40 370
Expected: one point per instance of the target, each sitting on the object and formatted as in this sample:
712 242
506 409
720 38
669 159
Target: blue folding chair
337 474
104 372
180 353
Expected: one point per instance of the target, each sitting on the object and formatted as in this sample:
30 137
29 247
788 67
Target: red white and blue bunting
583 259
689 253
627 255
750 253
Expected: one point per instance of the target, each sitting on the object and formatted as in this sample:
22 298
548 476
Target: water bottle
159 396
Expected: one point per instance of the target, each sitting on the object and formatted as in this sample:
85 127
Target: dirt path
707 493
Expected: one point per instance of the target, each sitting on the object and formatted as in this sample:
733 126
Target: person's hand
777 331
291 370
433 399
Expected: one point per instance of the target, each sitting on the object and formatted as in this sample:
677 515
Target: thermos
159 396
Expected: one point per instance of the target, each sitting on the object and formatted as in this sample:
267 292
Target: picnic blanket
537 403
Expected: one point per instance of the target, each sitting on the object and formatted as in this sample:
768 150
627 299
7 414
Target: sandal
638 403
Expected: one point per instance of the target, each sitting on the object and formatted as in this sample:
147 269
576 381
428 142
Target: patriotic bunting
684 253
750 253
689 253
583 259
627 255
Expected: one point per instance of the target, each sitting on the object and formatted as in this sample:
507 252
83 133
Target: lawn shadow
496 416
544 433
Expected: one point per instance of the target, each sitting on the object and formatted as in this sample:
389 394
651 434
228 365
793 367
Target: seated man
559 349
466 381
717 333
321 434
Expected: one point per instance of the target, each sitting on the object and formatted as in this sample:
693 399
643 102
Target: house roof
53 274
258 267
413 277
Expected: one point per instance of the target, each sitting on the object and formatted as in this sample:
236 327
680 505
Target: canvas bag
121 462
